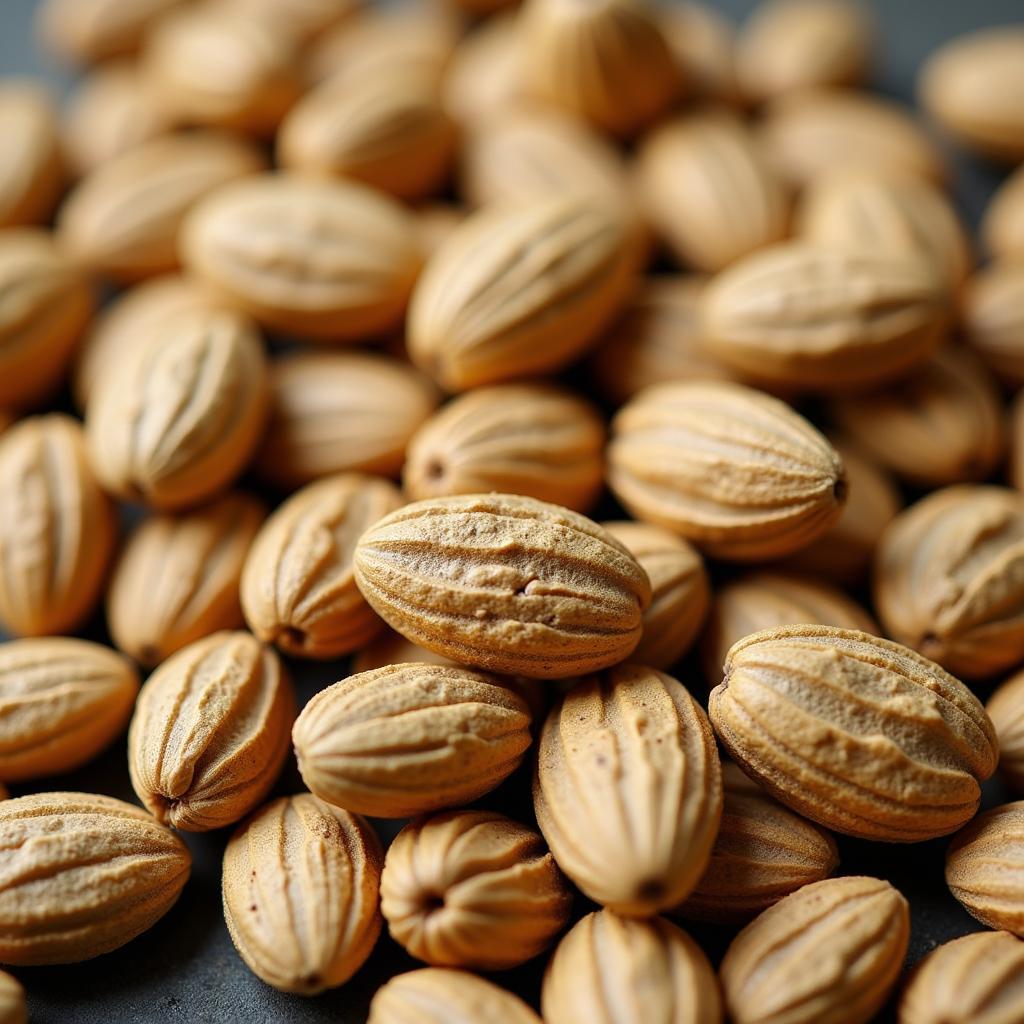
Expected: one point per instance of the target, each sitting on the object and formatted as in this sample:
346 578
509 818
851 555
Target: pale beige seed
210 732
628 790
45 305
472 889
765 600
31 167
733 470
90 31
762 853
828 954
947 579
326 260
972 88
703 41
122 220
407 739
985 868
1002 227
607 62
709 192
1006 709
680 592
802 315
305 20
993 318
485 78
508 583
340 412
57 528
13 1007
439 995
789 45
300 887
298 587
531 439
976 979
657 339
177 577
62 701
83 875
522 289
619 971
857 733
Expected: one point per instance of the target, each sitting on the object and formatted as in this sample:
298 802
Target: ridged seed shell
1006 709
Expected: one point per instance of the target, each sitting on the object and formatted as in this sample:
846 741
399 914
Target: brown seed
62 701
856 733
947 581
300 888
703 41
177 578
763 852
976 979
993 319
485 78
529 439
680 593
13 1008
210 732
31 168
407 739
57 528
83 875
1002 228
472 889
298 588
508 583
334 412
985 867
737 472
1006 709
830 952
616 970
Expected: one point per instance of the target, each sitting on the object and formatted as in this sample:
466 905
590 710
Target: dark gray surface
186 969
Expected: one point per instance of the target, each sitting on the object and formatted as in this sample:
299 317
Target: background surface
185 969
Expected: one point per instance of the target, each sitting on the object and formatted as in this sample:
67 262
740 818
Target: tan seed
1006 709
31 168
90 31
13 1007
1002 228
993 319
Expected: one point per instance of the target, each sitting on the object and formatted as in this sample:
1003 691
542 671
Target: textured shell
179 418
766 600
30 162
504 582
762 853
530 439
888 214
521 289
45 305
518 154
57 528
89 31
976 979
300 885
855 732
13 1008
1006 709
322 259
210 732
788 45
122 220
82 875
807 316
391 133
680 592
813 131
1002 227
406 739
657 340
607 62
62 701
298 587
332 412
737 472
944 425
485 77
985 868
439 995
628 791
993 318
472 889
619 971
709 192
949 579
177 578
972 87
827 954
